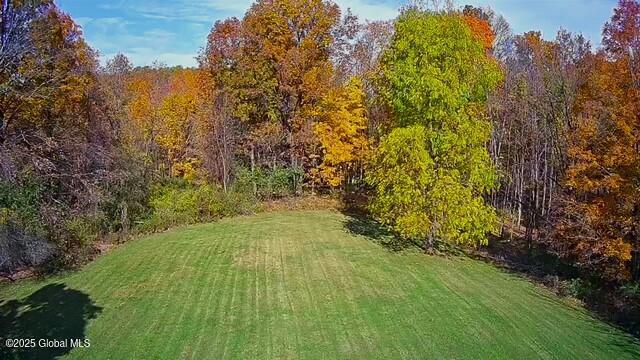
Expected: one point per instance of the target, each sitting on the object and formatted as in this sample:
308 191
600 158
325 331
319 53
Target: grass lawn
296 285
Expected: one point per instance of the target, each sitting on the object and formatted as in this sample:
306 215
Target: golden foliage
342 132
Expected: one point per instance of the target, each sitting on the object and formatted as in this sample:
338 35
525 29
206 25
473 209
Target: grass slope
297 285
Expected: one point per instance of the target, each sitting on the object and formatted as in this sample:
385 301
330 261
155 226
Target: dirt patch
268 255
18 275
310 202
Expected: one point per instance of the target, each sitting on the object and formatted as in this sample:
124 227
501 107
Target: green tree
431 171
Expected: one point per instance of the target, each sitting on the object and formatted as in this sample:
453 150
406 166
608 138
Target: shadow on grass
360 224
619 341
53 312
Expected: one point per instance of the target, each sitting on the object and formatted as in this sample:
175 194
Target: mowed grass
295 285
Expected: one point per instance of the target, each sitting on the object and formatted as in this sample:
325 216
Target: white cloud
210 10
141 56
187 10
173 32
82 21
142 46
371 10
578 16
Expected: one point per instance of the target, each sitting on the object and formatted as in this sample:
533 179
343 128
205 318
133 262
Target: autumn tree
29 88
531 114
362 60
431 171
341 130
223 100
288 42
599 216
478 22
141 108
16 43
492 29
161 109
55 142
177 124
621 37
268 74
114 78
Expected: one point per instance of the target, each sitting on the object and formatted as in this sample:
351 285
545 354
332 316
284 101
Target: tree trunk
3 126
253 170
428 244
4 18
225 153
635 247
124 220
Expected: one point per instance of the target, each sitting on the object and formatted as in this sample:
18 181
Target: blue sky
173 31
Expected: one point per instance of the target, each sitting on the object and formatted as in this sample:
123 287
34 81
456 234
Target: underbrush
269 184
37 237
40 236
23 236
179 203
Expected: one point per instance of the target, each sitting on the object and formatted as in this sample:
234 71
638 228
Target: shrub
85 228
575 288
631 291
128 191
582 289
23 237
19 203
273 183
178 202
19 249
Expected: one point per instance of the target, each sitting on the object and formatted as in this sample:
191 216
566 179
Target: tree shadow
358 223
53 312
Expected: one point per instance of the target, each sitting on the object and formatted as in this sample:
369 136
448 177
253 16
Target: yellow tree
341 130
138 133
161 106
176 114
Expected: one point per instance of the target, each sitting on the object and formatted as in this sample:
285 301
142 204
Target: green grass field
297 285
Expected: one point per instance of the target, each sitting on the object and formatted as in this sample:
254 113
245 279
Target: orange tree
599 221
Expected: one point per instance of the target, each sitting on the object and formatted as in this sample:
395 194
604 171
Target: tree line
449 124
